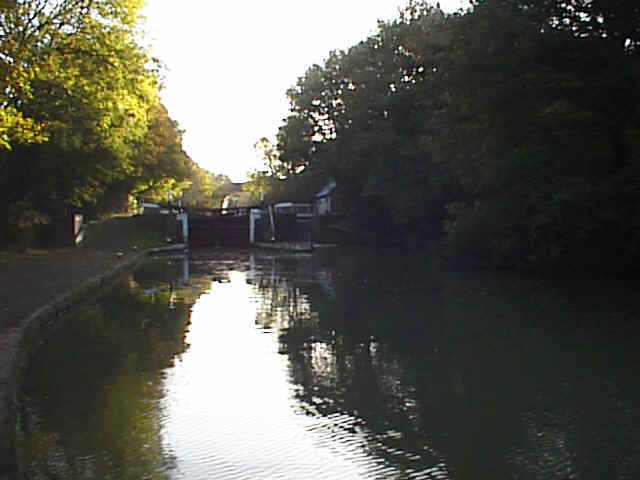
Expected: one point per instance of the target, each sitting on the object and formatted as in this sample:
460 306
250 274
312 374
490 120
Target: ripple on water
284 373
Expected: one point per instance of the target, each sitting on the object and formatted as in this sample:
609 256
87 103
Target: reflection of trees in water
546 368
282 303
284 306
90 405
370 387
470 371
342 377
597 437
547 451
422 375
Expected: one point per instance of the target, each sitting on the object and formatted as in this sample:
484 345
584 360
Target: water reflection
231 387
338 364
462 375
90 401
343 378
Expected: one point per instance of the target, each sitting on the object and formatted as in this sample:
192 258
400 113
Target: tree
509 135
75 89
63 40
161 169
206 189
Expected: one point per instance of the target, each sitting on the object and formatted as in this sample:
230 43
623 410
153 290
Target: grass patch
124 233
113 234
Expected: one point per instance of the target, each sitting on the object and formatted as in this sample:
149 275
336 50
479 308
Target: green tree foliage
554 180
80 119
510 132
75 91
71 49
206 189
290 179
161 169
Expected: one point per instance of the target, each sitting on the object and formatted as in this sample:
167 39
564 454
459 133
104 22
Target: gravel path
30 281
33 279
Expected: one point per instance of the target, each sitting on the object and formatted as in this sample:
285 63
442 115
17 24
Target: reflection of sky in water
284 378
230 409
228 403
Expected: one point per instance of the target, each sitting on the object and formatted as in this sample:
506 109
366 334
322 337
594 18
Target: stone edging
17 344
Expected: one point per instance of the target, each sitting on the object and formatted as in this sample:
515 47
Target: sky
228 65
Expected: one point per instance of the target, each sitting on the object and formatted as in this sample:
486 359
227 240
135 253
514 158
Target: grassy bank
123 233
116 233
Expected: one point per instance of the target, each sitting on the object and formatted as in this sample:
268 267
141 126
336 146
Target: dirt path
27 282
33 278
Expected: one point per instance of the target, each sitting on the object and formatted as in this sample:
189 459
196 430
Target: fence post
183 227
77 228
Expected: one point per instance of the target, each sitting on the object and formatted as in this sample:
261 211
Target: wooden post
183 227
77 227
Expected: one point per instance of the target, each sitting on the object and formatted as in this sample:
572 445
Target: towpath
31 280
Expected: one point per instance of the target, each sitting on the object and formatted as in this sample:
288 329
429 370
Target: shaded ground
32 278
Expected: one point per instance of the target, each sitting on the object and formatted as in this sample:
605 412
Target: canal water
341 364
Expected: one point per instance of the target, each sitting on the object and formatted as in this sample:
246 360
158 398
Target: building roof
326 190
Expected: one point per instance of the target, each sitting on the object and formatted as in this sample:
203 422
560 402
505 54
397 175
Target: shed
323 199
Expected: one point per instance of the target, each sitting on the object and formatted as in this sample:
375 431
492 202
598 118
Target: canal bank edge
18 343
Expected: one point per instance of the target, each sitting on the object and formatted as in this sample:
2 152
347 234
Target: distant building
323 199
150 209
236 197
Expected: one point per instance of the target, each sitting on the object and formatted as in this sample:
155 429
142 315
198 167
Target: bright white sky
229 65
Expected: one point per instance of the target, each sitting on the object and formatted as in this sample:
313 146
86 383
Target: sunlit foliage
81 124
